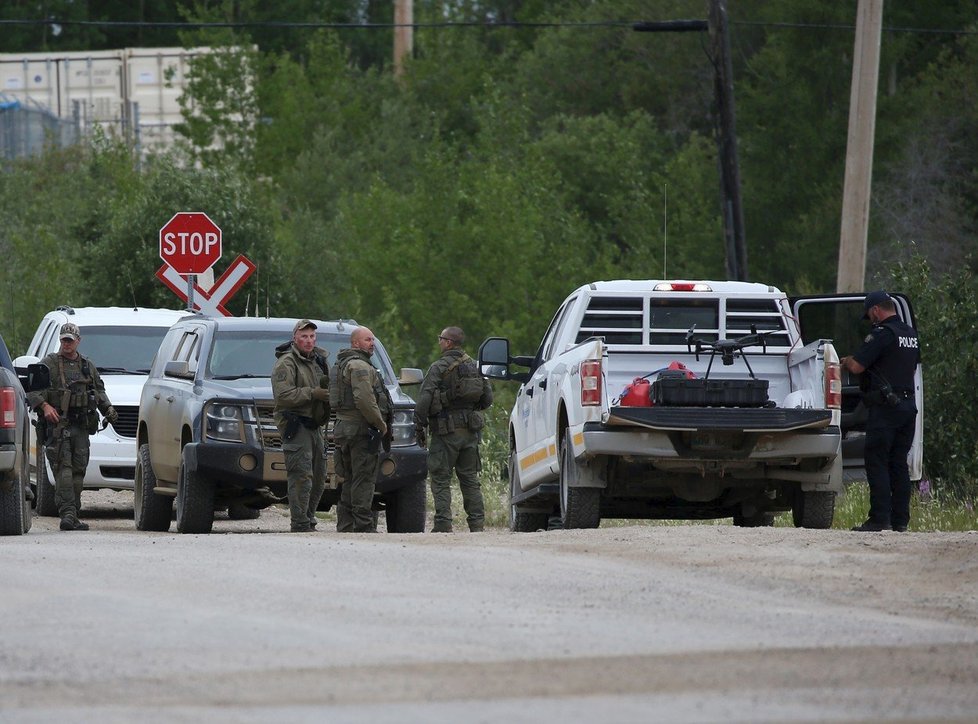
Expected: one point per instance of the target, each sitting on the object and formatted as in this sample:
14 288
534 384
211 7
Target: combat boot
476 527
71 522
441 528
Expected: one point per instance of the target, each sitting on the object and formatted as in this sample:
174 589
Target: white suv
121 342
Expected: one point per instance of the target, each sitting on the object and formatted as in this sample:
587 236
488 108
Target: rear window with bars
764 315
631 320
617 319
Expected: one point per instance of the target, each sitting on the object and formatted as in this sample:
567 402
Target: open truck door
839 317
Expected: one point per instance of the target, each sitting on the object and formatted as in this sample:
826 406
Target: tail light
591 382
833 385
8 408
682 287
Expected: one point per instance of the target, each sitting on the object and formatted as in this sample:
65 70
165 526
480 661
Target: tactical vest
341 391
899 362
71 395
340 394
462 384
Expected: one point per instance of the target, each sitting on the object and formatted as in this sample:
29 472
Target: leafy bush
946 311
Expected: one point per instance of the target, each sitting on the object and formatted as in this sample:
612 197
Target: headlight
226 422
402 431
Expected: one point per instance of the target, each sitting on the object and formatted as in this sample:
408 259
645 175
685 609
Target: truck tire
520 522
239 511
813 509
15 508
195 501
150 510
579 507
406 509
45 489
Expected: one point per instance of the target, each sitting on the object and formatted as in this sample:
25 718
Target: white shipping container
129 91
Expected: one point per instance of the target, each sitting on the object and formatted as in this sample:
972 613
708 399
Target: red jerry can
637 394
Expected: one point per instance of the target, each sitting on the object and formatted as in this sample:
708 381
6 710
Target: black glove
421 435
111 415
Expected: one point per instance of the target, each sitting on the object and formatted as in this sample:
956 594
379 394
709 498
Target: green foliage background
510 165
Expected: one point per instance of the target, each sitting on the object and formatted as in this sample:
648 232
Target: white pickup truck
601 428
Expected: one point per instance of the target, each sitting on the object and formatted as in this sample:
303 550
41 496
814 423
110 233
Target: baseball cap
302 324
69 330
872 299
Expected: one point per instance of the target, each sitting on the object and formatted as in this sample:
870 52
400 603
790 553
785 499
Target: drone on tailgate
728 349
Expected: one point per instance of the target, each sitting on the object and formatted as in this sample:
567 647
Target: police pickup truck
686 400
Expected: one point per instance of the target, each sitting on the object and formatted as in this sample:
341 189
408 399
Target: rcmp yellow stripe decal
579 438
532 459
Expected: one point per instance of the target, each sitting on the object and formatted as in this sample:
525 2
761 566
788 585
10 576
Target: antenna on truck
665 226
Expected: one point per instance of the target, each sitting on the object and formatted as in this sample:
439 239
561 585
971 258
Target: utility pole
403 34
733 211
859 147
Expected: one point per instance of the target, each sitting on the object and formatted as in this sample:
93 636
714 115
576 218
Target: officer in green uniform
452 396
68 407
300 385
363 417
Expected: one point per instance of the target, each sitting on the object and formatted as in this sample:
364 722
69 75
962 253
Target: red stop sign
190 242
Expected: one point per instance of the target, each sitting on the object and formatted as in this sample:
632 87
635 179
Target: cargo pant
357 466
305 467
68 454
458 450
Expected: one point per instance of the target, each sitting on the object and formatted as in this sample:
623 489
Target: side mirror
494 351
38 377
178 368
494 361
410 376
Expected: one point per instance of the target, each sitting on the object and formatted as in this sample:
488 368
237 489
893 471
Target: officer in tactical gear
887 360
363 420
67 414
300 385
450 405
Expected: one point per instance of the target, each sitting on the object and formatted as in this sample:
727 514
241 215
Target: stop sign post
190 243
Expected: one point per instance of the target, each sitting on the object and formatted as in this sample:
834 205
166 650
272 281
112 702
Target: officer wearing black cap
888 358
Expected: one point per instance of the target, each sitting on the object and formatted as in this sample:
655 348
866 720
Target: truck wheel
15 508
239 511
579 507
406 509
150 510
759 519
195 501
520 522
813 509
45 488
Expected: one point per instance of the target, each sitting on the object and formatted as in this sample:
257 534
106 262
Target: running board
546 491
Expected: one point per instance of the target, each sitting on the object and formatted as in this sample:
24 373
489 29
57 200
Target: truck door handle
170 398
529 391
156 396
542 384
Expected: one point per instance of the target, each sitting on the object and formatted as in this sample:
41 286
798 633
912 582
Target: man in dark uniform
450 402
68 408
363 417
888 358
300 386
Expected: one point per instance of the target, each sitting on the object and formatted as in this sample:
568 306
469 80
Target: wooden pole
859 149
403 34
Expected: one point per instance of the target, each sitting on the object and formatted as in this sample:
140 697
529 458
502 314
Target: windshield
122 350
251 353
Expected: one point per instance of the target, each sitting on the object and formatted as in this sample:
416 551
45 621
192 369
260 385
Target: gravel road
631 624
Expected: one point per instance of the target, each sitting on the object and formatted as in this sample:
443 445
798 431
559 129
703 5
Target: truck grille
267 429
271 438
128 420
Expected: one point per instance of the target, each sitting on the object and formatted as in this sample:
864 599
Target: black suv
206 435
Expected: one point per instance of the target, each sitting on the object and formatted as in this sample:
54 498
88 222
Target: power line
689 25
